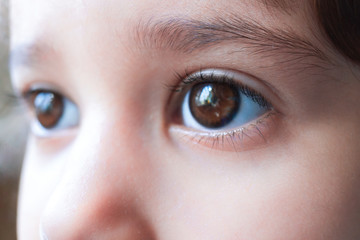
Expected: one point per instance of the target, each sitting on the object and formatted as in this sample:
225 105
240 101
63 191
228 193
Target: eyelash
26 96
214 138
190 80
231 139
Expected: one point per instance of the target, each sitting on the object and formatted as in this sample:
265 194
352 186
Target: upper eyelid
189 78
36 89
24 85
27 95
179 89
211 75
264 88
227 79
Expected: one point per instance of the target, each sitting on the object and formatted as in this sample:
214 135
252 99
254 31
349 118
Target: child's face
116 153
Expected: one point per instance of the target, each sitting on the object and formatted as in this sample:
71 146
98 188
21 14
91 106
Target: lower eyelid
256 134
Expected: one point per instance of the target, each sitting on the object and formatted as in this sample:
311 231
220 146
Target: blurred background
12 137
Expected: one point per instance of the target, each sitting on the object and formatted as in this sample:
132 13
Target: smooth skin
128 170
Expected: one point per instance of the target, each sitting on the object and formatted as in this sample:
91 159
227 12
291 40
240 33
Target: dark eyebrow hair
189 35
283 5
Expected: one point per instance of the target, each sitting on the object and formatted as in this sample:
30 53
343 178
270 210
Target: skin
128 171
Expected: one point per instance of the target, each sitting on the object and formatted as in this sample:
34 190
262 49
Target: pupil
49 108
214 105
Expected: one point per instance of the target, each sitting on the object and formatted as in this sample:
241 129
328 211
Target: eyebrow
282 5
29 54
190 35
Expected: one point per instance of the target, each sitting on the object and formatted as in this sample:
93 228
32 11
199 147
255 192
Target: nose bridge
101 190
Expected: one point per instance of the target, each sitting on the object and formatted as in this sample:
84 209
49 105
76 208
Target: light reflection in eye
206 96
221 104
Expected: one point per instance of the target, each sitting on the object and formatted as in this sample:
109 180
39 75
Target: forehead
54 17
41 9
95 27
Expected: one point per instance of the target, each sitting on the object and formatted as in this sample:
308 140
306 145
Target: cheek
289 191
306 188
291 203
313 194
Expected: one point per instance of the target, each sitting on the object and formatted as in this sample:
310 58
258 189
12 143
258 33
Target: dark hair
340 21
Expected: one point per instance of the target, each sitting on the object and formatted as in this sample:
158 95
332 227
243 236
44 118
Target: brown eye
214 105
48 107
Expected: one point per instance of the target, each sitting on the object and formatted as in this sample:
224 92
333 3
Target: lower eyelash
235 140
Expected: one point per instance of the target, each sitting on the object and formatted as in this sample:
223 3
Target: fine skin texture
129 169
